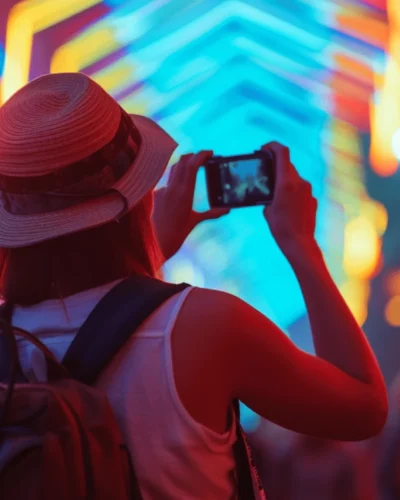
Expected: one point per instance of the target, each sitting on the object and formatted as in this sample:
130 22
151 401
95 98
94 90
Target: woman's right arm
338 394
325 395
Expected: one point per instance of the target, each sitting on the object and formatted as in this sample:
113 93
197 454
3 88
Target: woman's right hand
292 214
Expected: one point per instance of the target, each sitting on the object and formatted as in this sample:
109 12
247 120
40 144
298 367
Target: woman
77 176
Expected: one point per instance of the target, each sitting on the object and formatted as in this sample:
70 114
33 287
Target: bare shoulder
223 317
199 349
223 322
205 318
214 307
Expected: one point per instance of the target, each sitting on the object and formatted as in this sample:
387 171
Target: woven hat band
86 179
71 159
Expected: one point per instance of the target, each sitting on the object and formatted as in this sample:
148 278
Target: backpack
60 439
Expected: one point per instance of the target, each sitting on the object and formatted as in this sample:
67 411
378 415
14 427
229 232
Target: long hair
70 264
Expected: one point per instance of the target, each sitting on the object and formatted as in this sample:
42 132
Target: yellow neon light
362 248
377 214
115 77
385 121
94 44
25 19
131 104
366 220
385 114
356 294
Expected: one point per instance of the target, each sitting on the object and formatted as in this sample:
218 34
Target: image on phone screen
245 182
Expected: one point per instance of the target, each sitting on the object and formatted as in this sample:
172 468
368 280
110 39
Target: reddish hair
70 264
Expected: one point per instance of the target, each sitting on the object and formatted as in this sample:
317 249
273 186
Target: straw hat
71 159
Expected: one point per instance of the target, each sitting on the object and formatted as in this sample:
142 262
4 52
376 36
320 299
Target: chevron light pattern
230 75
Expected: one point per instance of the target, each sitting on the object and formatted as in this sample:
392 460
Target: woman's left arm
173 217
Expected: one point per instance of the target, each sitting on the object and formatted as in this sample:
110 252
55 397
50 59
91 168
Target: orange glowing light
354 67
356 294
372 30
362 248
393 283
392 311
385 107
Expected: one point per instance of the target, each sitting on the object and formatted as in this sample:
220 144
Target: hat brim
150 164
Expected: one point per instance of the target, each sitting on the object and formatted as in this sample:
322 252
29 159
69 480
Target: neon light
364 221
222 14
116 77
89 47
393 283
361 248
352 66
25 19
396 144
385 110
2 59
392 311
367 28
356 294
230 75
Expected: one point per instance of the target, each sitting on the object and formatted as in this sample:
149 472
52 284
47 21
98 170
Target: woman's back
175 456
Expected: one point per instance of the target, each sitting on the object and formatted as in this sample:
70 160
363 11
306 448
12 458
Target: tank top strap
175 310
162 321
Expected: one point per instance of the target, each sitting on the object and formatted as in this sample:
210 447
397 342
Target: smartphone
241 181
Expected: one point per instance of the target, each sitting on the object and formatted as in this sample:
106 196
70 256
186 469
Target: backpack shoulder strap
10 367
112 322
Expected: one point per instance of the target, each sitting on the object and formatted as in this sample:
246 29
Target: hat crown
54 121
49 98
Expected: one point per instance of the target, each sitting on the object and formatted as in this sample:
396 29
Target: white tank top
174 456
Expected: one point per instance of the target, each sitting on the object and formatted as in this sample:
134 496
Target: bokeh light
393 283
322 77
392 311
396 144
361 248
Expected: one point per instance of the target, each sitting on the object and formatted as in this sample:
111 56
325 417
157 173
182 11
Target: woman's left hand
174 217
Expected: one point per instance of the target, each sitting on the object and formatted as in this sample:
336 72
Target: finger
172 173
294 171
267 146
195 162
314 203
177 172
284 167
190 170
307 187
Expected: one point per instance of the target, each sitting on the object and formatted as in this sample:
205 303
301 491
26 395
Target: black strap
108 327
9 360
6 311
245 487
112 323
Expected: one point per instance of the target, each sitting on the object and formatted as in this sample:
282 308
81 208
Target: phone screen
245 182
